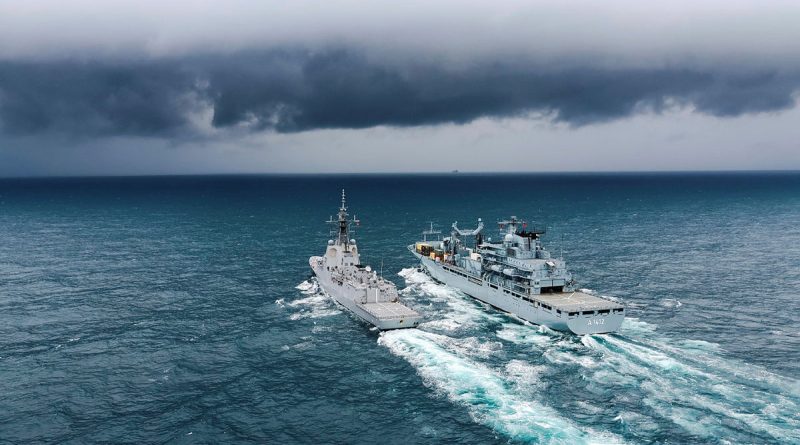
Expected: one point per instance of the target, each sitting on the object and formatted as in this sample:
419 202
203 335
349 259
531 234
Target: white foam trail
307 343
696 388
642 423
441 324
462 310
503 399
686 382
316 305
487 396
474 346
672 303
314 313
309 285
413 275
705 355
525 334
555 347
634 327
742 398
565 352
312 300
523 374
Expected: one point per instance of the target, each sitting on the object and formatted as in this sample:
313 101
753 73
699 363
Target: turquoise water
181 309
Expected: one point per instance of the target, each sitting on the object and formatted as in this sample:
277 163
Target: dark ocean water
180 309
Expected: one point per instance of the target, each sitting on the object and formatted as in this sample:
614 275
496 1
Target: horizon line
405 173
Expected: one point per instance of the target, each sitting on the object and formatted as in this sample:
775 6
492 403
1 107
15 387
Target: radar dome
508 238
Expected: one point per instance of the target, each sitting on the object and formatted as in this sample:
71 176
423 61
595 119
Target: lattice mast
342 224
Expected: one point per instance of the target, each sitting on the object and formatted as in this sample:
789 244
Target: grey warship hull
355 286
383 315
551 310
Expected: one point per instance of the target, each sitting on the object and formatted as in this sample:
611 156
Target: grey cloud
296 90
92 98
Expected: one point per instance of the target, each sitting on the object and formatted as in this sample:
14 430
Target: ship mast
510 225
431 232
343 224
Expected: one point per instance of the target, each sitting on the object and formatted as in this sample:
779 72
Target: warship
355 286
517 275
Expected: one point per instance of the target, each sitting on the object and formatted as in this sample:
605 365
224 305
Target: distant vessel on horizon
518 276
355 286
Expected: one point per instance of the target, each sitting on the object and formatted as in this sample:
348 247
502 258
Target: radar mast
342 224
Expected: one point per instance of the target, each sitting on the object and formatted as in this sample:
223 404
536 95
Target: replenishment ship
517 275
355 286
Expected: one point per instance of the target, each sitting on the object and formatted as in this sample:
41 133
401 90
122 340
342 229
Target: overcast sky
155 87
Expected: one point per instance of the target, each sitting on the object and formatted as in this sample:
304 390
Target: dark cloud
92 98
298 90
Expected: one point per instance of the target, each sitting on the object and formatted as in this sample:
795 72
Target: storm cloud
86 85
297 90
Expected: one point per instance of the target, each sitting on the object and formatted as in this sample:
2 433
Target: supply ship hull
517 276
592 315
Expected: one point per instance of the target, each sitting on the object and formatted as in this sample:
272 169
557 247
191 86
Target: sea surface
181 310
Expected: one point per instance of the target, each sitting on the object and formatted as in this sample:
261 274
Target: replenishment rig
517 275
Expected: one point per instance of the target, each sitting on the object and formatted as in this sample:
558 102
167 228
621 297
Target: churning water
181 310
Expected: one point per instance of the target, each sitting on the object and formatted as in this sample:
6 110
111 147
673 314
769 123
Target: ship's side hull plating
495 296
340 294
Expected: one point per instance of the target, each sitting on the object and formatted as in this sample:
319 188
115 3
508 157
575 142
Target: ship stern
597 324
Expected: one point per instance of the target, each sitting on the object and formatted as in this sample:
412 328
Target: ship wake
487 394
313 302
462 368
534 384
695 386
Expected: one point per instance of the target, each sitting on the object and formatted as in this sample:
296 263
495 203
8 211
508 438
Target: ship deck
389 310
576 302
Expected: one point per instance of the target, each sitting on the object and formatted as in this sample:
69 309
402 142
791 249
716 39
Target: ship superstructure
355 286
517 275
